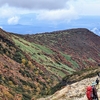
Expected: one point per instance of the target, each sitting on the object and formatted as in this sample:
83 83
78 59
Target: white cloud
86 7
7 11
83 7
96 30
46 9
1 27
13 20
35 4
52 10
60 14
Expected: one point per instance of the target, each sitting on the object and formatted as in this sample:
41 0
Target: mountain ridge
73 42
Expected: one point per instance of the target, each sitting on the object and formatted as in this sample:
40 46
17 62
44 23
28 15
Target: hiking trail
75 91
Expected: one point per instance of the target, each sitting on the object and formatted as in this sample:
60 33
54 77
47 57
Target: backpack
89 92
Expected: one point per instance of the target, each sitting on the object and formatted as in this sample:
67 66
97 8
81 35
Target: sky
46 14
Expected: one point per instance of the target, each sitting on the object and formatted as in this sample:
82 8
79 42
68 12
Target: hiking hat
94 83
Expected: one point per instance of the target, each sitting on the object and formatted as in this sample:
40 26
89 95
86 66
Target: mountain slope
31 65
19 74
78 48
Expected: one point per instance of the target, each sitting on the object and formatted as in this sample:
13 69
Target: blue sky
33 16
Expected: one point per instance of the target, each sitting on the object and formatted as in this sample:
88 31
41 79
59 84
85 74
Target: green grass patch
37 51
68 57
43 48
31 47
90 59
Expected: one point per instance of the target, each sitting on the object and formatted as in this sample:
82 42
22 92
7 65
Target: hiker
91 92
97 83
98 64
95 95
